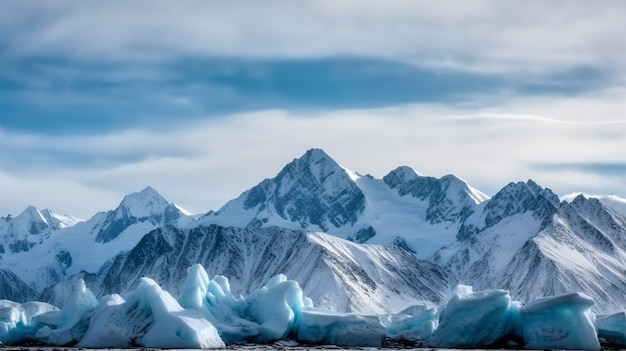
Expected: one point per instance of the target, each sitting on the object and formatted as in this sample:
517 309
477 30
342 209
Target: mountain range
354 242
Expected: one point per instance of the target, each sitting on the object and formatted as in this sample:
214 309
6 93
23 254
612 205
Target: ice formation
345 329
612 328
74 317
19 322
475 319
149 317
415 323
560 322
208 315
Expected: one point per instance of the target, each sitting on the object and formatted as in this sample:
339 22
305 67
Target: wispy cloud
485 36
500 117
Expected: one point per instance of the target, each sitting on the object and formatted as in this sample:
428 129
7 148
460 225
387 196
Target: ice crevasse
208 315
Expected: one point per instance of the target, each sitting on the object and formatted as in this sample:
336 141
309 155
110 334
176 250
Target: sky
204 99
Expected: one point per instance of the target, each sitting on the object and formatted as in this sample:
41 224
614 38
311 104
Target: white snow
144 203
618 204
76 239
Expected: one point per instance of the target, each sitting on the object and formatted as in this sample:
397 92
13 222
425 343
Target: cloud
63 96
484 36
203 163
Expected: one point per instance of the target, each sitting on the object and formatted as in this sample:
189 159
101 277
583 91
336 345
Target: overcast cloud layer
202 100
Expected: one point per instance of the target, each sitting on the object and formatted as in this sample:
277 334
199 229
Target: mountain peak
521 197
311 190
30 221
316 154
144 203
30 212
147 206
400 175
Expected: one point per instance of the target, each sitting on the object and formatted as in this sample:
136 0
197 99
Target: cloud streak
486 36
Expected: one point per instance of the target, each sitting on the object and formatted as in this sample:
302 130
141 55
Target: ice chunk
195 287
415 323
559 322
19 322
274 307
476 319
11 316
75 316
215 300
334 328
107 327
612 328
149 317
267 314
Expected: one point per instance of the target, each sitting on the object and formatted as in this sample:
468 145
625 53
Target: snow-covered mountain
315 193
335 273
29 228
57 249
526 241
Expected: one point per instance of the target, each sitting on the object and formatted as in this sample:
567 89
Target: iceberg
415 323
148 317
74 317
344 329
474 319
612 328
19 322
267 314
559 322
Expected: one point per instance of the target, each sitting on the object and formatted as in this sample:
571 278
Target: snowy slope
12 286
526 241
613 202
315 193
29 228
54 252
335 273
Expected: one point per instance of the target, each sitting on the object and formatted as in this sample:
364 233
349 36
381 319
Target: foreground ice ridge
208 315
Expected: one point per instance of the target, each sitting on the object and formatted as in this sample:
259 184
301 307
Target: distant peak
320 164
32 213
400 176
147 192
476 195
145 202
452 178
406 173
315 155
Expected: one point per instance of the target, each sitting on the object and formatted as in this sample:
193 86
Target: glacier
207 314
